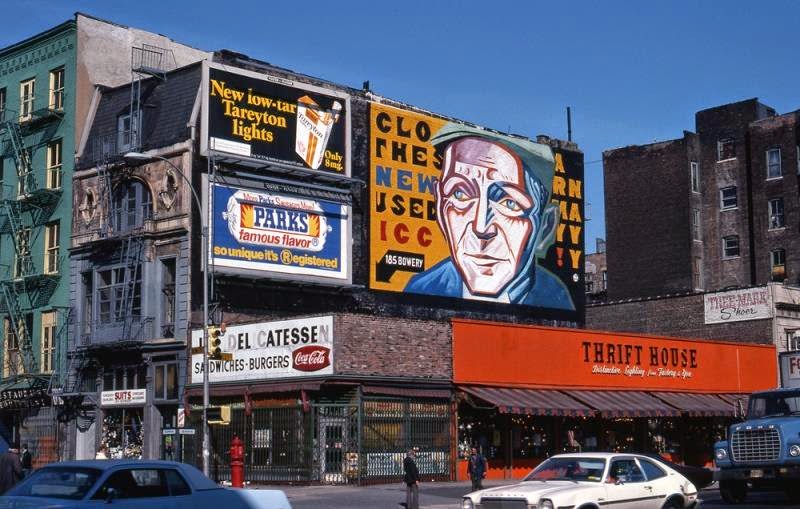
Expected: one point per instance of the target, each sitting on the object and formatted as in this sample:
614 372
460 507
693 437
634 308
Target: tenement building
712 250
49 89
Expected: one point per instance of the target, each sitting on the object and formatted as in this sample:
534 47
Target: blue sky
632 73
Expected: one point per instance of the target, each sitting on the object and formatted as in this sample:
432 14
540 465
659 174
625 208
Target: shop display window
123 434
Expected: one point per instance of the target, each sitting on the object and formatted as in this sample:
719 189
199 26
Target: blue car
129 484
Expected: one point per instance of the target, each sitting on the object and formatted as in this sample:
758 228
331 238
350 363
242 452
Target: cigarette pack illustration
314 126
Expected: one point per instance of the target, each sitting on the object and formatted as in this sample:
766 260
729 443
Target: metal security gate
337 443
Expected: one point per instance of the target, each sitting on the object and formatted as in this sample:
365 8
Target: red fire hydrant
237 463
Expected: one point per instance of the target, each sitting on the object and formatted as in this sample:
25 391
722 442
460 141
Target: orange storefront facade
526 392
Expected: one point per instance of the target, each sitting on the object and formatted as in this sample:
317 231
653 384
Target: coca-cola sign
269 351
311 358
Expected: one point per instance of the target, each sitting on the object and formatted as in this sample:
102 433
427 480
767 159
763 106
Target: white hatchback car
590 481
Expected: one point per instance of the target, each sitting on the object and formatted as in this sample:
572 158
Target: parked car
701 477
129 484
591 480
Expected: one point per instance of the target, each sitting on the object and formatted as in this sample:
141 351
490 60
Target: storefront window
166 381
123 435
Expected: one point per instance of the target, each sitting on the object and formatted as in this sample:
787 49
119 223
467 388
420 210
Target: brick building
596 273
711 214
724 212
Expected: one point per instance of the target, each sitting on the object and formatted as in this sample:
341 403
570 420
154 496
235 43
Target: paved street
448 496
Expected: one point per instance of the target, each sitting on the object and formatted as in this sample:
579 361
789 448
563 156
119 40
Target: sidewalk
436 495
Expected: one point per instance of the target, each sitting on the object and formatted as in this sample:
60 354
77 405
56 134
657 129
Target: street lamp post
138 157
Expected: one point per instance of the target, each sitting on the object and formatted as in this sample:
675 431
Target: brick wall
680 316
648 223
374 345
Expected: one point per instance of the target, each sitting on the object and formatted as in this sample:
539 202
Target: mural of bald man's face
487 213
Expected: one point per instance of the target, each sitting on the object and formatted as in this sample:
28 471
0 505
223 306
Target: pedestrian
411 479
102 453
476 468
27 461
10 469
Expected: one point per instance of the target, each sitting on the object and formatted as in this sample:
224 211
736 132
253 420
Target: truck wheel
733 492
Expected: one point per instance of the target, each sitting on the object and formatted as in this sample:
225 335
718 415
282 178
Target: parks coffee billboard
269 119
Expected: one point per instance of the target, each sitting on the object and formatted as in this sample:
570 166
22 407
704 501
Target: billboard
458 211
275 120
270 234
270 350
737 305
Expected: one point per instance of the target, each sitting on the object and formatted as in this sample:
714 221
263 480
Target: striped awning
625 403
697 405
529 401
407 392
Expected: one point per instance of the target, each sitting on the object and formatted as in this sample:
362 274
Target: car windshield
57 482
570 469
774 404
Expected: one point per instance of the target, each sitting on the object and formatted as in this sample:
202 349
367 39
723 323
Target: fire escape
119 247
26 285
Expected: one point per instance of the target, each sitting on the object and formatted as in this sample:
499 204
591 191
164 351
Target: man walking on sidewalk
411 479
476 468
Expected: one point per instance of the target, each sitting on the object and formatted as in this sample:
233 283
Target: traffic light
215 342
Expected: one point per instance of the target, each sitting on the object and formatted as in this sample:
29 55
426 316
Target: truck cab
763 451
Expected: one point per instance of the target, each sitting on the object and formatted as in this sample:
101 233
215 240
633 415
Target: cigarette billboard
463 212
265 233
274 120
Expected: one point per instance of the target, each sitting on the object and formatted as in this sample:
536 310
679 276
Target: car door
627 487
662 484
134 488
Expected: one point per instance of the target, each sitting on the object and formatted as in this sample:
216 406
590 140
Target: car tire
733 492
673 504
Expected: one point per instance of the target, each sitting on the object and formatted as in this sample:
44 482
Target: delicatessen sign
519 355
270 350
278 121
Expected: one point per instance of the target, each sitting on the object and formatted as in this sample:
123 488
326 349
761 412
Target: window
54 163
776 217
777 258
168 297
604 275
22 253
696 227
3 105
726 149
589 286
51 245
56 89
793 340
24 172
125 133
177 486
774 163
698 273
125 378
626 471
727 198
651 470
14 336
27 90
133 205
797 152
48 341
694 171
66 483
134 483
730 246
87 280
114 301
166 381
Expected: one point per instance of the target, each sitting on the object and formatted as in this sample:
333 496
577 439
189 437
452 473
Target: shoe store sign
738 305
269 350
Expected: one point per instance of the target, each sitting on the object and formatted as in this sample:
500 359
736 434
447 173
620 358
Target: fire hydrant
237 463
